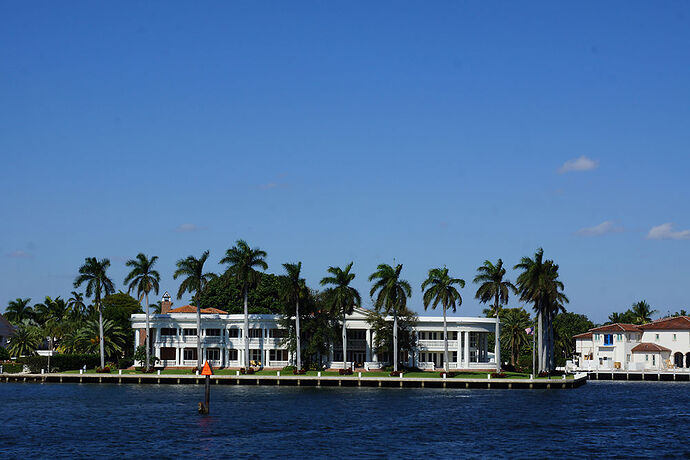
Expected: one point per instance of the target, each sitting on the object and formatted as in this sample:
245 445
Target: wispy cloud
579 164
666 232
602 229
188 228
19 255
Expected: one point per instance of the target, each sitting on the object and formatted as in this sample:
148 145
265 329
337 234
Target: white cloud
666 232
601 229
187 228
19 255
579 164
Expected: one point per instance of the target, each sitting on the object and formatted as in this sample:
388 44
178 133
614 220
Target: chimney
166 304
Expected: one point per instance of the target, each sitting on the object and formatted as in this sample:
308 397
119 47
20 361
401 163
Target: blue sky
433 134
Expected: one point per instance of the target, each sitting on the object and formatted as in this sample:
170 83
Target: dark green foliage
125 363
565 326
11 368
383 330
225 293
118 308
59 363
140 355
4 354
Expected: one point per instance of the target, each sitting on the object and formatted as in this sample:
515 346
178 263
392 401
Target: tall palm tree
296 288
94 274
492 286
393 293
244 261
112 338
76 305
514 335
642 312
51 316
18 310
143 279
195 282
439 287
538 283
341 298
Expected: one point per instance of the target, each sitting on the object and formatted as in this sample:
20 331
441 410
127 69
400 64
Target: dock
301 380
651 376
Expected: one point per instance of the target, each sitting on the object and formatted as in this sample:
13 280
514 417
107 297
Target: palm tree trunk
299 348
395 340
445 340
497 344
344 343
246 329
101 346
198 333
540 344
148 346
552 343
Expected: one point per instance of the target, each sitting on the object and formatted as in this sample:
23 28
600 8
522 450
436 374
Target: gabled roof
584 335
677 322
192 309
4 322
648 348
617 327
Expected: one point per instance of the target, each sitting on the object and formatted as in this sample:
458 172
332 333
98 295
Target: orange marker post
208 372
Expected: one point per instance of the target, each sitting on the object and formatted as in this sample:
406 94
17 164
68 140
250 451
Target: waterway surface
638 419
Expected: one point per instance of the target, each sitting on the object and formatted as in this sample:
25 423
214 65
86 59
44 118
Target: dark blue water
640 419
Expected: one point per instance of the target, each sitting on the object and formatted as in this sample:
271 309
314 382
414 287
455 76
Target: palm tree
393 293
296 288
111 341
538 283
18 310
642 312
493 287
195 282
76 305
515 321
439 287
93 273
25 340
243 261
341 298
144 279
51 316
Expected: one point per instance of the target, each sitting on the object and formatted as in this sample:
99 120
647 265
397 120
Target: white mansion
659 345
174 339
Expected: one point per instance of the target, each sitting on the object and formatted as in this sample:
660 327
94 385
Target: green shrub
59 363
289 368
11 368
125 363
4 354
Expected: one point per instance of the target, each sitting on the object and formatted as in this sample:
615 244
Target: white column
467 349
374 356
368 349
136 339
459 360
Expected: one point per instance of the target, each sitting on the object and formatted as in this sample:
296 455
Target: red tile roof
675 323
192 309
649 347
617 327
584 335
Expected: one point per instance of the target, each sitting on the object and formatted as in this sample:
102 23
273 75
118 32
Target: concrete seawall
647 376
294 380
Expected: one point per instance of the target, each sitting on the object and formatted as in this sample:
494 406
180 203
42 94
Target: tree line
306 312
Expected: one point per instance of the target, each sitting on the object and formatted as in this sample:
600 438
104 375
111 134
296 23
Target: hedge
59 363
11 368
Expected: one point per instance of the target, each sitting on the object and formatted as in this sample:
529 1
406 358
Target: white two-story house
174 339
658 345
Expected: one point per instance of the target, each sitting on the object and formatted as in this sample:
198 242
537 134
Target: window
356 334
168 354
255 333
277 333
653 360
213 354
628 357
190 354
657 337
187 332
454 357
278 355
232 354
674 337
213 332
453 335
646 357
619 337
608 339
234 332
168 331
255 355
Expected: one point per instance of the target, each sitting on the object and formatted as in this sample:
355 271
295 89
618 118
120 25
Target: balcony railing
438 344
